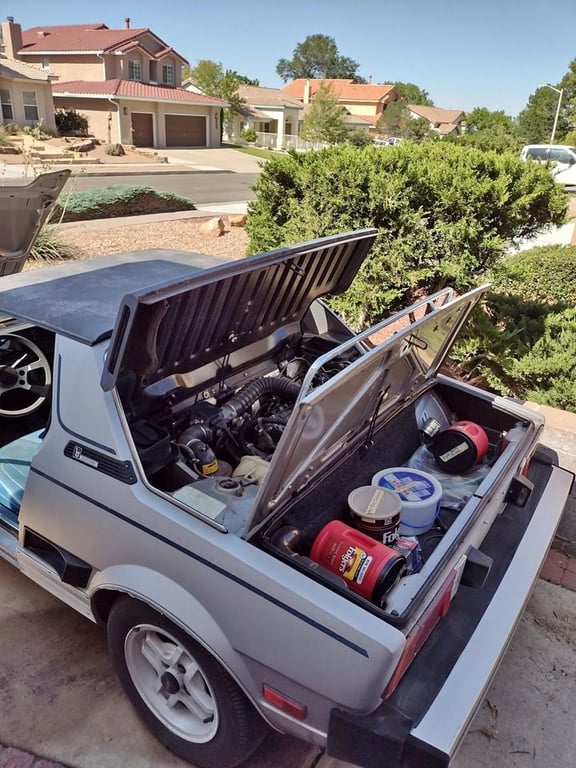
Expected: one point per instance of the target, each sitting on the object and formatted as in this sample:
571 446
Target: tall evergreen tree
318 57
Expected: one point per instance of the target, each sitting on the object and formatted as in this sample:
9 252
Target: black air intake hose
237 405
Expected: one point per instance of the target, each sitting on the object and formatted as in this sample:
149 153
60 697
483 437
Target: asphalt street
199 186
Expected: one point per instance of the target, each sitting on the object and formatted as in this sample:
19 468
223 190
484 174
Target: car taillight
424 626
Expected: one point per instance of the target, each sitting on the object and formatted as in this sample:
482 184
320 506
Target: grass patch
117 200
255 151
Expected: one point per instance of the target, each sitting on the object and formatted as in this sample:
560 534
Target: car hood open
184 324
23 210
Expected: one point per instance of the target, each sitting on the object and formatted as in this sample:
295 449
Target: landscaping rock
237 219
81 146
213 228
115 150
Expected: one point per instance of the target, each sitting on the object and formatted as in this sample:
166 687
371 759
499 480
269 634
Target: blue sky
465 53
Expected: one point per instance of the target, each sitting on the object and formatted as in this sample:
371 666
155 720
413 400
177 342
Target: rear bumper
425 720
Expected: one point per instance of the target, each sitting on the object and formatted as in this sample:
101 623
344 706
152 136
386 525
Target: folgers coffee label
367 566
353 563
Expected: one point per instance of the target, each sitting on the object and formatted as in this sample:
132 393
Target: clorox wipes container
419 493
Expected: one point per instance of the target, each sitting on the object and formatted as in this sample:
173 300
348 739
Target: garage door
185 131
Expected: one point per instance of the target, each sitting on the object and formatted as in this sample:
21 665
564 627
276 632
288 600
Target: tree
324 120
537 118
318 57
396 120
482 119
211 78
489 130
412 94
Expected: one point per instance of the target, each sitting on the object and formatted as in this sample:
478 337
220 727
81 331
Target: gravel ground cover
180 234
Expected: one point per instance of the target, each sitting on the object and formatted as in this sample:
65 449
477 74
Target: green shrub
68 121
118 200
546 274
522 340
248 134
445 214
359 138
4 137
38 132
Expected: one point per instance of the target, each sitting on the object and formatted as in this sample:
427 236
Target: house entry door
142 130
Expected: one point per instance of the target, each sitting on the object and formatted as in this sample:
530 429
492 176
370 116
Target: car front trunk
290 533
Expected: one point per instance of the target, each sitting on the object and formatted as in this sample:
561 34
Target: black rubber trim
433 664
380 739
71 569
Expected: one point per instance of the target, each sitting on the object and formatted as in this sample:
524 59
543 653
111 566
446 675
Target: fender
171 600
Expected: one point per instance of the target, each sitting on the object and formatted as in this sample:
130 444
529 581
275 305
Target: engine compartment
186 434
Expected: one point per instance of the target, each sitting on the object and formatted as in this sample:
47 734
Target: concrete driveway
59 697
222 159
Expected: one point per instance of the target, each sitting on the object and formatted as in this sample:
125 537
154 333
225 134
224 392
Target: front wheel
183 695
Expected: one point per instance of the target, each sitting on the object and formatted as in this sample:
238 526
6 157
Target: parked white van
561 158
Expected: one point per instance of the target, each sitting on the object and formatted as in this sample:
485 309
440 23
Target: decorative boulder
237 219
213 227
115 150
81 146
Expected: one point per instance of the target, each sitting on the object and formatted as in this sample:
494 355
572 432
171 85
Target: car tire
181 692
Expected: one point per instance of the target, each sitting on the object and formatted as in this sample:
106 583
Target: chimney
127 21
369 79
12 37
307 90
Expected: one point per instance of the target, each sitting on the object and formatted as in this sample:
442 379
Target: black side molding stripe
339 638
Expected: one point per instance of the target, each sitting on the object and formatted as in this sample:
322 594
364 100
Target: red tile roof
77 38
445 119
344 90
16 69
267 97
132 89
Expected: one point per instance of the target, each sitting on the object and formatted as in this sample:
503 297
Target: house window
45 63
30 106
168 74
6 101
134 70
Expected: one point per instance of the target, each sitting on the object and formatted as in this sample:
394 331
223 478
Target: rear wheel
184 696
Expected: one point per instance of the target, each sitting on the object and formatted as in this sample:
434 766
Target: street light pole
560 92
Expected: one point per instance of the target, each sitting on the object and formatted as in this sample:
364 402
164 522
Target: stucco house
25 90
446 122
363 103
270 113
127 82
